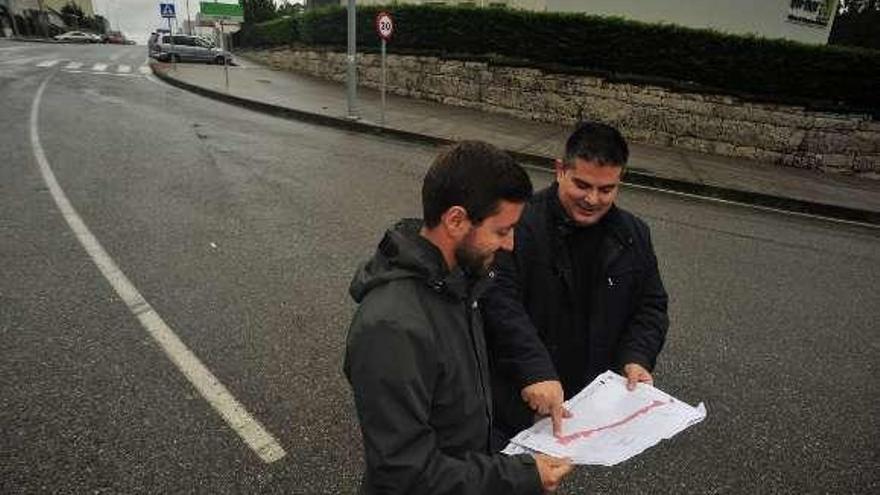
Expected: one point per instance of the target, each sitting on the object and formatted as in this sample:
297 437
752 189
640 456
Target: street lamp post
351 79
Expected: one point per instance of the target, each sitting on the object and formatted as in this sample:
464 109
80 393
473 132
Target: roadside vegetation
839 78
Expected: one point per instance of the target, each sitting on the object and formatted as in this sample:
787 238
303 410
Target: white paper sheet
609 423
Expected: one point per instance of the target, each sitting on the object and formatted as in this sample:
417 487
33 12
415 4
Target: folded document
609 423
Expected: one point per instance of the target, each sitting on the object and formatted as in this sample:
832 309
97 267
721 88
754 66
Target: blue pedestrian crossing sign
167 10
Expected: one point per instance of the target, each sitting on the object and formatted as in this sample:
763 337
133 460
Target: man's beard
472 262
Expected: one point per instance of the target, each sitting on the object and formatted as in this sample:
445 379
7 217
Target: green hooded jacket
417 364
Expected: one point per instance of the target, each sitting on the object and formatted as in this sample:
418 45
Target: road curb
633 176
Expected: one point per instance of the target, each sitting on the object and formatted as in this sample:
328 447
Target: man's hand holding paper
609 423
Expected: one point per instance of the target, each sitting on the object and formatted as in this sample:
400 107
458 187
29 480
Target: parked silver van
185 48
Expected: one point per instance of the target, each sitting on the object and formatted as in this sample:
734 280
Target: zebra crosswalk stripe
123 69
73 65
47 63
99 67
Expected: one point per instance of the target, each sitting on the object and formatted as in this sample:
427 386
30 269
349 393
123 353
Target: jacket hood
404 253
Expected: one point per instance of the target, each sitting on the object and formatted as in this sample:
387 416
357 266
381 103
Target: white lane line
154 80
48 63
73 65
248 428
19 61
99 67
123 68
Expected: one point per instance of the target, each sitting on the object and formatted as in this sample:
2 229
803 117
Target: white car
78 37
186 48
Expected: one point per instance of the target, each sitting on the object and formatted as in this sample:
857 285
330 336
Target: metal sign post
385 29
382 115
223 48
166 10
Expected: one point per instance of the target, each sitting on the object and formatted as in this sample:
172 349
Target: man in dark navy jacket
580 293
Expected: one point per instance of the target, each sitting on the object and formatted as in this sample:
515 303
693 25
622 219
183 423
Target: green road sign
214 11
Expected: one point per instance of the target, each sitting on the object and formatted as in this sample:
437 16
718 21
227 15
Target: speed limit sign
384 25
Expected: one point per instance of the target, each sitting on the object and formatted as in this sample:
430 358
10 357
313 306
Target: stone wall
718 124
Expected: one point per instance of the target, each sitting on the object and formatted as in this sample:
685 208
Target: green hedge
834 77
276 32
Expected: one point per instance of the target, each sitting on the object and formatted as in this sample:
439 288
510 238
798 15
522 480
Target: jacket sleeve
393 372
514 342
646 333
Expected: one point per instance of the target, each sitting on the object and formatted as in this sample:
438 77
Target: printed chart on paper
609 423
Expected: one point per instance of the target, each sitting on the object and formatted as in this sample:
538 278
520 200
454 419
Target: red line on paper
567 439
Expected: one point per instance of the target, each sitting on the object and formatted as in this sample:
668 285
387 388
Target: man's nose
508 242
591 196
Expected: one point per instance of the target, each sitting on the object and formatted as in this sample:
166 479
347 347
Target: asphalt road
242 232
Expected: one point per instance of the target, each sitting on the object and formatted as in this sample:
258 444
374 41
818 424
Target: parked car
114 37
185 48
78 37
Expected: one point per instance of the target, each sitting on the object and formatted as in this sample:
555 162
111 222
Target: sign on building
817 12
215 11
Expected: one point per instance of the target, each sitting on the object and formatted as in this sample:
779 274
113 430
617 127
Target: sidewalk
323 102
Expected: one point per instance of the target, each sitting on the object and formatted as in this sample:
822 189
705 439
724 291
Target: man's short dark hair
476 176
596 142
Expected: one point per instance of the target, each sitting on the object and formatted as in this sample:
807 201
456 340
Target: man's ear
559 166
456 222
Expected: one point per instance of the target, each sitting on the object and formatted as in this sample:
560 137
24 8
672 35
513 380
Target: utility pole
11 11
351 79
42 15
189 22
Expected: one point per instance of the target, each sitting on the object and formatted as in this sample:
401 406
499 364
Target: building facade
805 21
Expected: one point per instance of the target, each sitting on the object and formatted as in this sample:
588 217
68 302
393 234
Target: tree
287 9
73 15
258 11
857 24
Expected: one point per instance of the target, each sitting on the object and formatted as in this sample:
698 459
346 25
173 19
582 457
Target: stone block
766 156
869 125
646 98
801 160
837 161
830 122
561 107
691 143
767 136
866 141
823 142
688 105
451 68
866 163
372 74
723 148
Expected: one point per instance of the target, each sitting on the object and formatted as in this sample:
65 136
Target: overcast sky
138 18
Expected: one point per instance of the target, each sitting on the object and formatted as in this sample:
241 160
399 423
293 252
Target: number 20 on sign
384 25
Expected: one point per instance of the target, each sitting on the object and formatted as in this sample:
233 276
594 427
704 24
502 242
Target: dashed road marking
48 63
73 65
99 67
123 69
